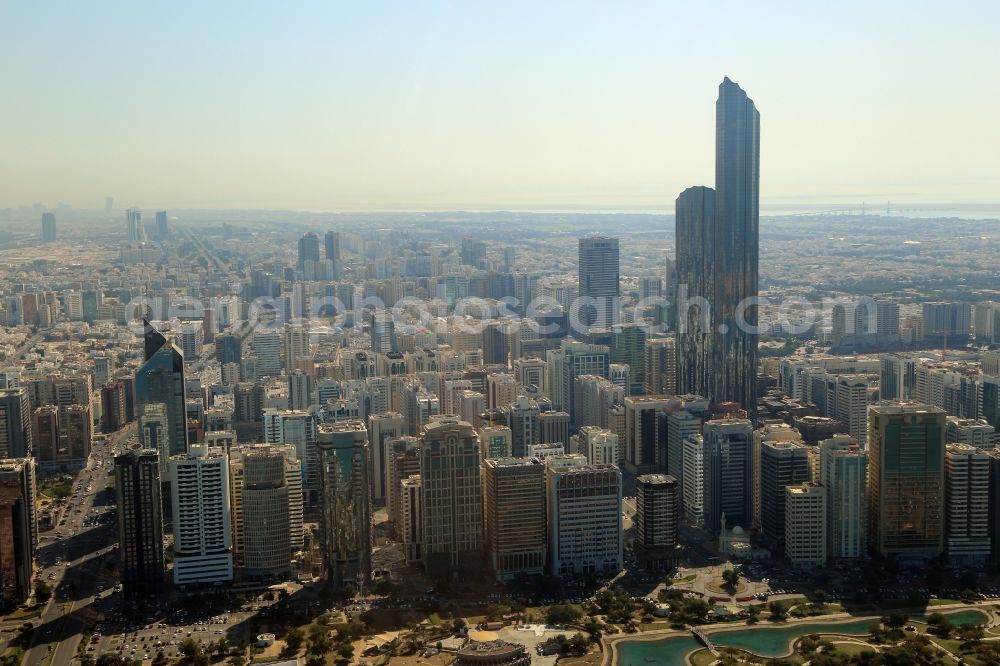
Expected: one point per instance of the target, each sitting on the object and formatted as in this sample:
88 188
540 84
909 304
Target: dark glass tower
694 289
308 249
737 212
140 522
717 259
599 280
160 381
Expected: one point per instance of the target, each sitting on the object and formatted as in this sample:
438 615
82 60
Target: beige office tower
381 429
805 525
471 404
658 514
593 397
906 450
616 424
292 481
220 439
851 405
501 390
584 516
296 346
450 390
267 552
553 428
599 445
530 372
978 433
452 518
967 502
661 366
466 338
543 451
403 462
514 516
495 441
410 518
775 431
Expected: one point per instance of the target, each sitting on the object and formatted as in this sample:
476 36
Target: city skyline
544 426
360 108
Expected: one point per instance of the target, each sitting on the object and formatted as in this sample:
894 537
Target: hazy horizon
400 107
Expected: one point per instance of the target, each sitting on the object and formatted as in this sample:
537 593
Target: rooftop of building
903 407
655 479
804 488
512 462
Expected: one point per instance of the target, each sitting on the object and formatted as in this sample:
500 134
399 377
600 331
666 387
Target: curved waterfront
762 640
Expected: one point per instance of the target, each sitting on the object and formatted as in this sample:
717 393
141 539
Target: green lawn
850 649
702 657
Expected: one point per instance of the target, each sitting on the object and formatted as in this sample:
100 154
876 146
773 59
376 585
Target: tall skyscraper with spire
717 261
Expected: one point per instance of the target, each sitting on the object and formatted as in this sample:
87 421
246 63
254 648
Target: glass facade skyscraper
599 280
160 381
346 511
906 470
717 260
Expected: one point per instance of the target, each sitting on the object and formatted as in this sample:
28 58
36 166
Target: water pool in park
763 640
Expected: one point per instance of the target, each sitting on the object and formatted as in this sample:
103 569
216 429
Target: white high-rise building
843 473
680 425
203 545
851 405
381 429
603 448
584 516
967 504
805 525
298 428
978 433
411 518
693 484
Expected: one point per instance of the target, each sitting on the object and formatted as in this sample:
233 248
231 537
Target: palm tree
731 579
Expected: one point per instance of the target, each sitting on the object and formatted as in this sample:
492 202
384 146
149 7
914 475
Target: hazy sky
477 104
